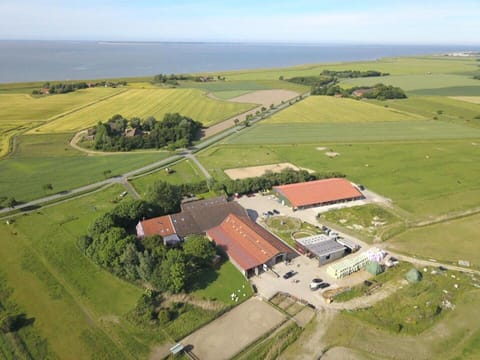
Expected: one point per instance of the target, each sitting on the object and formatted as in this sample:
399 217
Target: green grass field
418 82
328 109
449 241
148 102
327 133
449 91
371 221
454 337
247 86
69 297
183 172
430 106
48 159
394 66
426 178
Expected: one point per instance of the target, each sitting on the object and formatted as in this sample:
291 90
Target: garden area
288 228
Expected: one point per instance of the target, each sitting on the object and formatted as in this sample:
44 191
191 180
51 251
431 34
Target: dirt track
253 171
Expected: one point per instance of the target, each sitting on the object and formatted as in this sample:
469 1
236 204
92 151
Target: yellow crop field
328 109
148 102
25 107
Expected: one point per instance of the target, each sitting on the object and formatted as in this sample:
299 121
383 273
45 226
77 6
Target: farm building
317 193
325 249
162 226
196 217
248 245
347 266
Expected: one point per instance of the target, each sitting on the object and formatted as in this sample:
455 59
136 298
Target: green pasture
229 94
424 178
328 109
181 173
321 133
449 91
454 335
219 284
149 102
413 82
69 297
444 108
371 221
448 241
395 66
48 159
252 84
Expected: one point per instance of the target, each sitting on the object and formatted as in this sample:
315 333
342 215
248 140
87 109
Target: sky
304 21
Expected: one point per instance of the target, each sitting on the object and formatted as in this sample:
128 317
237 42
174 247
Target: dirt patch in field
260 97
470 99
265 97
254 171
332 154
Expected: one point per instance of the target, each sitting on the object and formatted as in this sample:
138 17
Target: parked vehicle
323 285
289 274
275 211
315 284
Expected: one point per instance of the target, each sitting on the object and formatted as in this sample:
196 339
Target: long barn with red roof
317 193
248 245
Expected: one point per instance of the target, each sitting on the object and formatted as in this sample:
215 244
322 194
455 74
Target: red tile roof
158 226
318 192
244 244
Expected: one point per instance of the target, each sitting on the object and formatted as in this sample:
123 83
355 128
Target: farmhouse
317 193
248 245
325 249
196 217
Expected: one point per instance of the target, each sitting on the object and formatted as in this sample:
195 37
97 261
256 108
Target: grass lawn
288 228
77 306
182 173
455 335
371 221
311 133
471 90
407 172
149 102
43 159
328 109
221 283
245 86
449 241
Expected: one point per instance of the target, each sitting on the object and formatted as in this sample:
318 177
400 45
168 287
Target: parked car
315 284
275 211
323 285
289 274
270 213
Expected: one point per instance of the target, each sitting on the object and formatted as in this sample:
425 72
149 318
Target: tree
165 196
11 202
236 121
171 275
198 250
107 173
47 187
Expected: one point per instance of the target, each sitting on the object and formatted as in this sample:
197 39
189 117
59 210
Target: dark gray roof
197 217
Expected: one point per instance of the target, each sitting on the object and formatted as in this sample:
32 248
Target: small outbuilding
413 276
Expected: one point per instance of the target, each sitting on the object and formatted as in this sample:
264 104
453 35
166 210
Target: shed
374 268
413 276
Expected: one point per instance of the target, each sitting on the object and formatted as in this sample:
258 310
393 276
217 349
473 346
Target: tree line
63 88
173 131
173 79
353 73
111 243
377 91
